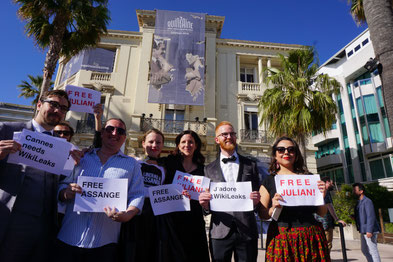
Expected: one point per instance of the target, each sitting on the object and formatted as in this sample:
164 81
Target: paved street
353 251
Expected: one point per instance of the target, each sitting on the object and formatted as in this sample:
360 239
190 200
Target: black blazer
11 183
245 222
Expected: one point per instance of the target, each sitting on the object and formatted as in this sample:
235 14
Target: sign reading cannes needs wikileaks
41 151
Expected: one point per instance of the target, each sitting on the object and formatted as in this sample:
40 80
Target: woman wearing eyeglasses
296 235
139 238
186 230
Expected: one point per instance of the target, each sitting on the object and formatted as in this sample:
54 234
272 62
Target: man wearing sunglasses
232 232
28 196
64 130
93 236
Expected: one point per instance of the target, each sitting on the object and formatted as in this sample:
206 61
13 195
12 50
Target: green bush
344 203
389 227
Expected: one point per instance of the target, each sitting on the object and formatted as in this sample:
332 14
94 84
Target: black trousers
67 253
244 250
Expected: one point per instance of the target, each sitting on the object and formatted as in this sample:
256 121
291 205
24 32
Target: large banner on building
177 63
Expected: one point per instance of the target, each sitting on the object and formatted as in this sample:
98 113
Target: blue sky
326 24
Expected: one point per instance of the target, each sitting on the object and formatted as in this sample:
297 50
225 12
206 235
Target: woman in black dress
188 228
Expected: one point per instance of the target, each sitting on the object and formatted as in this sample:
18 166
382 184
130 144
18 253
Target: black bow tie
229 159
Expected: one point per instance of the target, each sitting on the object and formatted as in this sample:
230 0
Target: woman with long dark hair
188 228
295 235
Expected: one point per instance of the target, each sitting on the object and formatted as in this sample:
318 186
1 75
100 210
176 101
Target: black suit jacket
245 222
11 183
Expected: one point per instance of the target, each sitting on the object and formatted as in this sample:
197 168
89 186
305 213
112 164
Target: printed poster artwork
177 64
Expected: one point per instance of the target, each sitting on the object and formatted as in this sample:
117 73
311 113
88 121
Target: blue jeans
369 247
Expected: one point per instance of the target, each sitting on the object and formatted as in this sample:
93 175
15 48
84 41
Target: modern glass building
359 146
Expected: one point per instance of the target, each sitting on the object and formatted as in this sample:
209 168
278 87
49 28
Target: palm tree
63 27
301 100
378 14
32 88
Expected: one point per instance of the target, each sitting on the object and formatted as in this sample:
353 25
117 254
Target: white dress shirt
230 169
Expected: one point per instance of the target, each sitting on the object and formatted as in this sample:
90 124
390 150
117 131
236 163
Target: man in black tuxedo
232 232
28 196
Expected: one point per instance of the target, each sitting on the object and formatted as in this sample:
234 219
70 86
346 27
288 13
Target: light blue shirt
92 230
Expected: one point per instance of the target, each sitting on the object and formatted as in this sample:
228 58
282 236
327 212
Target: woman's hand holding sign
322 187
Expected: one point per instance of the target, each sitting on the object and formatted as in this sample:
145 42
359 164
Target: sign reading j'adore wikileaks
177 65
41 151
231 197
98 192
82 99
299 190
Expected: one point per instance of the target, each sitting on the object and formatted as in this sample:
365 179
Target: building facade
359 146
233 86
13 112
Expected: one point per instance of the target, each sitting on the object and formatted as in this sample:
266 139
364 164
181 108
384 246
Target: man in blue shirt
93 236
366 223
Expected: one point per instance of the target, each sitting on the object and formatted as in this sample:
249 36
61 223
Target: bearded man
232 232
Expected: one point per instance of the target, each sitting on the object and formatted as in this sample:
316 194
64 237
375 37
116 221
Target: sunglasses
120 131
56 105
226 134
61 132
281 149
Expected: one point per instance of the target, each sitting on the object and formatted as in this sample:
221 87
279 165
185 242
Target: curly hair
197 158
298 167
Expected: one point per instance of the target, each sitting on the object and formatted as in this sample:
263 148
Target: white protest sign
98 193
41 151
168 198
299 190
232 196
82 99
70 163
193 184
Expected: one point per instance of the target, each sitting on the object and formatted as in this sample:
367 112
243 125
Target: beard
52 119
226 146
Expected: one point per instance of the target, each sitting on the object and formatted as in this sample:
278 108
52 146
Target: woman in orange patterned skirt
295 235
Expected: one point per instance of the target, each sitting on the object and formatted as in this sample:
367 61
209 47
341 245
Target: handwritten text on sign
168 198
299 190
234 196
82 99
101 192
193 184
41 151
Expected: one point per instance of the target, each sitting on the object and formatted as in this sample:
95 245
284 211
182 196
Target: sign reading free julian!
82 99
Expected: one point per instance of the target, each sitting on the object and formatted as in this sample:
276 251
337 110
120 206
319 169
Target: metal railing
173 126
255 136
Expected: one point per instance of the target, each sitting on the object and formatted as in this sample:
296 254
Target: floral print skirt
296 244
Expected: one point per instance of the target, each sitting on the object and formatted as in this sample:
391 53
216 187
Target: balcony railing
255 136
95 76
252 87
173 126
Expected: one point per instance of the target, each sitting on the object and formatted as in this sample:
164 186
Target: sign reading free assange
98 193
82 99
299 190
41 151
228 197
168 198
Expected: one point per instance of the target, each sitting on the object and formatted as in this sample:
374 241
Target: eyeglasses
226 134
281 149
56 105
62 132
120 131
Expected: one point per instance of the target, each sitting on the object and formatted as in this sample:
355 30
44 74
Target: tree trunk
53 54
301 139
379 16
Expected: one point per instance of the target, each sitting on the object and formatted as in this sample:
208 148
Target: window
350 53
247 75
357 48
365 42
174 121
251 120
